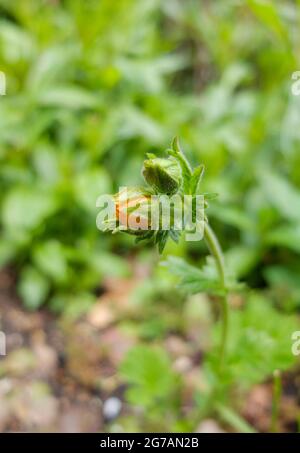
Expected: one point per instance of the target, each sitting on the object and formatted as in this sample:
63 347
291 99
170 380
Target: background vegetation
91 87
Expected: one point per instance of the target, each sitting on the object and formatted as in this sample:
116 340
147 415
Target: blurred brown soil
50 376
61 375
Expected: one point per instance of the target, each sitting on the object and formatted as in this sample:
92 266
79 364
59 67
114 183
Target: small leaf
196 179
162 241
210 195
151 155
175 235
193 280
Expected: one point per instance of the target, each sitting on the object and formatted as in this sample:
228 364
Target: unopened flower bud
163 175
133 210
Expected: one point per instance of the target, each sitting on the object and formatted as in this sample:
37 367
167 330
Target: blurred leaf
69 97
283 276
51 65
50 258
242 259
7 251
26 208
285 236
283 196
234 419
89 185
259 342
72 305
46 164
233 216
109 264
33 288
135 123
149 372
16 42
267 11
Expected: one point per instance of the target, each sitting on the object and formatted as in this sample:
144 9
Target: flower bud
163 175
133 210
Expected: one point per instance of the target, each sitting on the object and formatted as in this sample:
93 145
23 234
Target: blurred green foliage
91 87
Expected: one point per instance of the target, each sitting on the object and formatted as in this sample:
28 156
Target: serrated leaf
193 280
149 372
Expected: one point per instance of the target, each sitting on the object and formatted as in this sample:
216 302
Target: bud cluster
167 206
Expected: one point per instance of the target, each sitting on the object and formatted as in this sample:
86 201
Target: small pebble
112 408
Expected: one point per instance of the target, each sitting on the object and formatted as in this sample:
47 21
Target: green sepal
196 179
186 170
162 175
161 240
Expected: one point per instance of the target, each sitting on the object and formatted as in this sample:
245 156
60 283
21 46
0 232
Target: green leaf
282 195
259 342
89 185
16 41
51 66
149 372
50 258
7 251
33 288
267 12
175 235
72 305
285 236
186 170
193 280
161 240
233 216
26 208
108 264
196 179
283 277
234 419
69 97
242 259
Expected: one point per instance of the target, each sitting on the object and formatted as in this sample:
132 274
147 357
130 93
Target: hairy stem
216 251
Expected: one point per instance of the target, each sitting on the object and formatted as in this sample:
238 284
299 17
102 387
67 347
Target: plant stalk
277 391
216 251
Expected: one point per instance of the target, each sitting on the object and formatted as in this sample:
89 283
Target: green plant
174 175
91 87
169 176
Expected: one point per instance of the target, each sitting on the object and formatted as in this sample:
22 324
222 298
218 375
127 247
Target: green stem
216 251
277 391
